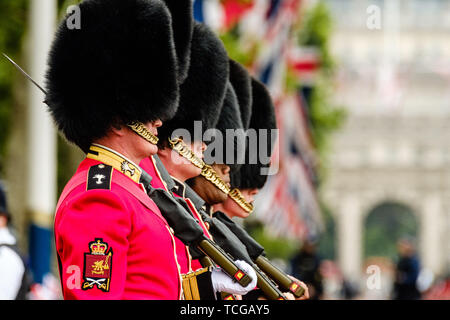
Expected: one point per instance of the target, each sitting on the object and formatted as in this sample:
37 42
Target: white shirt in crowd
11 267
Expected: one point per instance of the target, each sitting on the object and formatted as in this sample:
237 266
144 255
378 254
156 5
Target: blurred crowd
403 279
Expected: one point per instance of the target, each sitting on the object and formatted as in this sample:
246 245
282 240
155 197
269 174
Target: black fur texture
121 66
242 84
203 92
183 27
263 117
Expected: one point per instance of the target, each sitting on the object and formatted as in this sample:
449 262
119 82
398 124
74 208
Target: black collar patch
99 177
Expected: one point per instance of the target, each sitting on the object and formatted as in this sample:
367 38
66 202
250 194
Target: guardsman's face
188 169
146 147
180 167
198 148
3 221
232 209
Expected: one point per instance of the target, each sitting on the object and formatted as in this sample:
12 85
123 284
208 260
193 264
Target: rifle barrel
279 277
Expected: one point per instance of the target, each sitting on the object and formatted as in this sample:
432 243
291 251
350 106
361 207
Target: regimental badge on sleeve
97 266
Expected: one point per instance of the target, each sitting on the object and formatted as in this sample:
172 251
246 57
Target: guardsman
246 182
247 177
201 103
202 97
110 85
236 117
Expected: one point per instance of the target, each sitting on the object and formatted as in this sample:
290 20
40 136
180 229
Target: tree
13 17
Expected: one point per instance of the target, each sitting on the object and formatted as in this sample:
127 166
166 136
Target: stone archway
352 207
384 226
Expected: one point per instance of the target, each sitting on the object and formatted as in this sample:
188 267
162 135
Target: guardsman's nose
158 123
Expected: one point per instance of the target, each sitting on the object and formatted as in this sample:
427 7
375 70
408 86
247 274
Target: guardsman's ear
118 130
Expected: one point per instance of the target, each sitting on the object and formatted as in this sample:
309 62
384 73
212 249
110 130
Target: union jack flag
288 204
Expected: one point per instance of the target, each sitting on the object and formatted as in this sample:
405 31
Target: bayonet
24 73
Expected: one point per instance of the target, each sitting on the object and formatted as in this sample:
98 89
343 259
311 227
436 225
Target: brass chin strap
237 196
141 130
209 173
179 146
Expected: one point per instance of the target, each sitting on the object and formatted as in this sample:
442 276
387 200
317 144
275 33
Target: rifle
228 241
254 249
187 229
256 252
224 237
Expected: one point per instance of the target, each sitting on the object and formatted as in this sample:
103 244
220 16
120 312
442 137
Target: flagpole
41 142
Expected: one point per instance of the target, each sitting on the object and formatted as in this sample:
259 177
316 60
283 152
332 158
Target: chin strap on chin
209 173
183 150
237 196
141 130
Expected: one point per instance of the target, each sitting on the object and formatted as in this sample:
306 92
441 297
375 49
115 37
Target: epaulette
99 177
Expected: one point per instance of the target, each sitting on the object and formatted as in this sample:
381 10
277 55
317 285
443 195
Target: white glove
224 283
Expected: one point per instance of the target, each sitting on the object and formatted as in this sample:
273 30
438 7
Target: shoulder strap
120 180
76 180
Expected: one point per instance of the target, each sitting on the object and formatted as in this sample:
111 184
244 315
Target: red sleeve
91 233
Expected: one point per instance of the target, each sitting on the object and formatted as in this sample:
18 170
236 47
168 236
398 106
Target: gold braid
179 146
237 196
210 174
141 130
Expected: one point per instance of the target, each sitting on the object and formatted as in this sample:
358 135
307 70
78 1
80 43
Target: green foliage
13 17
325 118
315 31
63 5
276 248
385 225
231 41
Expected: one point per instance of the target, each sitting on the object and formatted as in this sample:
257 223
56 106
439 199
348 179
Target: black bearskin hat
203 92
119 67
230 118
242 84
183 26
263 117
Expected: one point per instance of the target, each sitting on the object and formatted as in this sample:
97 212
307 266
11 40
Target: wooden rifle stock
269 289
256 252
187 229
223 260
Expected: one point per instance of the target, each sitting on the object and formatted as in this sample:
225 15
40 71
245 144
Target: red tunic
123 248
149 166
183 256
